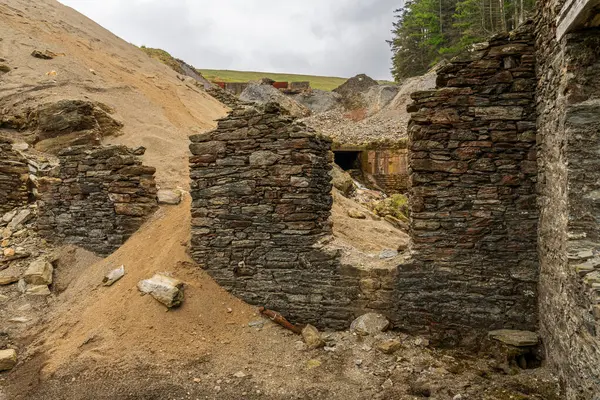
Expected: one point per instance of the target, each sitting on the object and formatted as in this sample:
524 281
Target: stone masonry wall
14 175
101 197
261 203
568 104
473 171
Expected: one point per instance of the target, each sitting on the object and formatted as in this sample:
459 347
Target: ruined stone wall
101 196
14 175
473 171
261 203
568 104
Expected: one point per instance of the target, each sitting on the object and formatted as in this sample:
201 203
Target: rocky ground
84 338
381 119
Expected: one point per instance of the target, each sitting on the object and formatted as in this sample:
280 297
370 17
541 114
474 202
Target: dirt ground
88 341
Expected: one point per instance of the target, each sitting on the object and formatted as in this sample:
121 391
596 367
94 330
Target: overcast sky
317 37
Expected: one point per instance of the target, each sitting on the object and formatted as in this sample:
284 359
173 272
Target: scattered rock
9 252
21 218
354 213
4 68
310 364
37 290
419 388
515 337
114 276
300 346
370 324
39 272
239 374
9 216
388 384
389 346
342 180
167 290
312 337
388 253
7 280
46 55
172 197
139 151
8 359
20 320
257 324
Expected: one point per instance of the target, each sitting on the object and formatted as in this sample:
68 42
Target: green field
316 82
224 75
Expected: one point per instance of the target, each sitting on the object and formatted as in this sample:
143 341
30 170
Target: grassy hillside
316 82
163 57
224 75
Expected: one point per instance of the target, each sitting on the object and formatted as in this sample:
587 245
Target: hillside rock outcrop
263 93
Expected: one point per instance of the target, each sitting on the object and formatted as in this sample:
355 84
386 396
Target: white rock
166 196
39 272
165 289
370 324
38 290
8 359
22 217
113 276
9 216
515 337
21 320
239 374
312 337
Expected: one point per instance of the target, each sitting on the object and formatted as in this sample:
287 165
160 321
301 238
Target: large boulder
39 272
259 93
370 324
342 180
167 290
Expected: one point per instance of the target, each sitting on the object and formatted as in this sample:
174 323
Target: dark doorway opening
347 160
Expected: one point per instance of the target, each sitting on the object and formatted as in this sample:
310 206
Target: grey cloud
334 37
